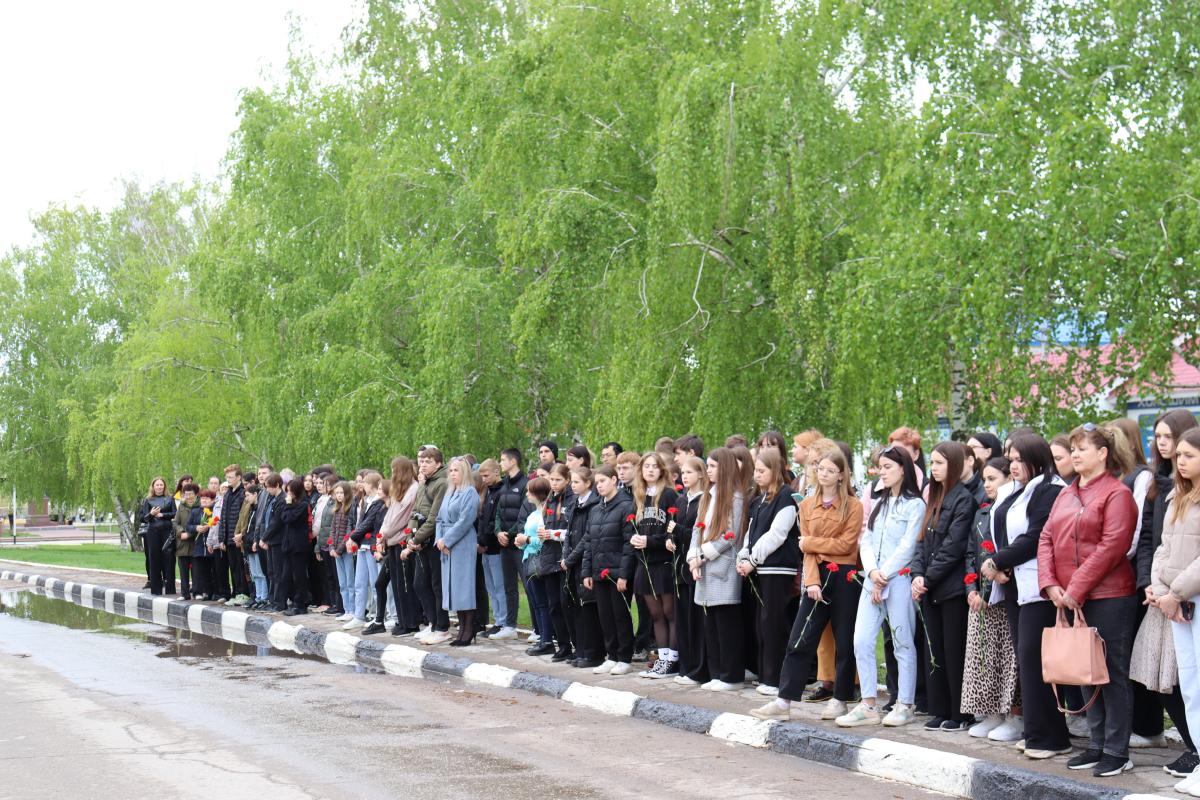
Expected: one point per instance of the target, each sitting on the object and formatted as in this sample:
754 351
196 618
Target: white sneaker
344 618
771 711
860 715
354 623
684 680
834 708
751 677
620 668
901 714
981 729
504 633
603 669
769 691
1011 730
1077 726
721 686
1189 785
437 637
1140 742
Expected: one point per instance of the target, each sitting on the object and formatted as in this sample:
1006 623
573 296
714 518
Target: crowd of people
759 562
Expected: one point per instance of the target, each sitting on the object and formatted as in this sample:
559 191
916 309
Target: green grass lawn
95 556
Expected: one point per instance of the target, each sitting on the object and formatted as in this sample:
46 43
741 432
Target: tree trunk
124 523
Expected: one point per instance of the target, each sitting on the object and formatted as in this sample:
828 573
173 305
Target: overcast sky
140 89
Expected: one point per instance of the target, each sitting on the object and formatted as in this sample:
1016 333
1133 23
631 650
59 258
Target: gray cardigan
719 584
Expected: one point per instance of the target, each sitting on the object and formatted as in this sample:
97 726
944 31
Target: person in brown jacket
830 521
1082 566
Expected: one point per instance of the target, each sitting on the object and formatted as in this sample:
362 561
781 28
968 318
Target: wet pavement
102 706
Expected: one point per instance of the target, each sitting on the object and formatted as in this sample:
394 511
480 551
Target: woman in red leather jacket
1082 565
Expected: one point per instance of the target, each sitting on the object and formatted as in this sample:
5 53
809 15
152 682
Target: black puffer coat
576 544
940 557
608 532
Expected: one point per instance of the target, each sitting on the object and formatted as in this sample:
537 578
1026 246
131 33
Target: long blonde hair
729 484
639 483
1187 492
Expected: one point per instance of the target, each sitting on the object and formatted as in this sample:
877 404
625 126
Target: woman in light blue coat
455 538
886 548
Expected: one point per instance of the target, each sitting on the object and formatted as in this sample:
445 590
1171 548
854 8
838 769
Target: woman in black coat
291 519
156 513
583 620
938 570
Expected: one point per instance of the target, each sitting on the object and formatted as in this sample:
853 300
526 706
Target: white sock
669 655
783 704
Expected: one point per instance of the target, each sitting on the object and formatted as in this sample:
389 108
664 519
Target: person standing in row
184 542
653 494
292 524
582 616
769 560
156 513
886 550
830 522
608 569
428 577
712 557
511 512
689 621
455 540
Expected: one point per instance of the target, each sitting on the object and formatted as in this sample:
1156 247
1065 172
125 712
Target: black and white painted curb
935 770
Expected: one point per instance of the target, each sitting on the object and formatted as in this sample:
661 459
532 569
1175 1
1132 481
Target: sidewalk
807 735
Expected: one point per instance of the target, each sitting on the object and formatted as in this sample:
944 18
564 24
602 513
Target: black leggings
662 613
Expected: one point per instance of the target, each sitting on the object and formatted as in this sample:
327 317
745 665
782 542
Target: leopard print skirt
990 673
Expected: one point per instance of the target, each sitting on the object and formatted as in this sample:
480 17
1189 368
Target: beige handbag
1075 656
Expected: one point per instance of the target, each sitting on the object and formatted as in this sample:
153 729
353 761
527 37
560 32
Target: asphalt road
141 711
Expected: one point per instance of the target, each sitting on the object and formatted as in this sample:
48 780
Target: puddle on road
34 604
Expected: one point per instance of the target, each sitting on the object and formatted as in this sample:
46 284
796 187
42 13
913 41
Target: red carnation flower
407 531
970 578
630 518
851 575
988 547
679 487
549 512
729 535
604 573
832 567
700 525
672 510
904 571
329 541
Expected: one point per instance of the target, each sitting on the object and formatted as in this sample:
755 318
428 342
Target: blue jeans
493 576
901 615
260 577
366 570
345 575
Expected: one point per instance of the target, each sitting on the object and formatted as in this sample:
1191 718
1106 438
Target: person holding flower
769 560
939 584
653 494
689 621
886 550
607 568
711 558
830 521
990 686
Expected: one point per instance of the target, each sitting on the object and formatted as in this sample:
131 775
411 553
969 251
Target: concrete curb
937 770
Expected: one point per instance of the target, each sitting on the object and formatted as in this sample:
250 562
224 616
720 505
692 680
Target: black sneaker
540 649
374 627
819 695
1112 765
490 631
954 726
1086 759
1182 766
935 724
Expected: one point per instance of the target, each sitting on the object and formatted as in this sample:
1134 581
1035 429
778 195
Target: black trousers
643 637
689 634
202 577
316 580
185 577
482 606
1045 727
946 632
616 623
510 561
294 579
774 618
221 574
583 620
1111 715
162 566
723 642
750 647
402 574
1173 703
839 610
237 570
274 572
553 584
382 581
429 586
327 569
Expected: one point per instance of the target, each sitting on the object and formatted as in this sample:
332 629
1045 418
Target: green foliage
624 218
